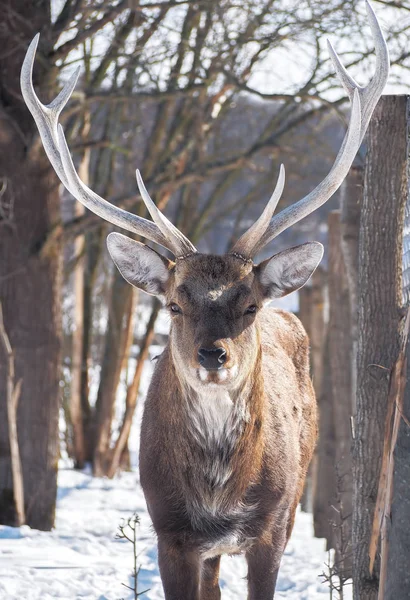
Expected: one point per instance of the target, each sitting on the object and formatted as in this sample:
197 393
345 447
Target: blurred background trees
207 98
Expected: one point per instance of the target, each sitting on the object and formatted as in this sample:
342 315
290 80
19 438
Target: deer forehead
212 278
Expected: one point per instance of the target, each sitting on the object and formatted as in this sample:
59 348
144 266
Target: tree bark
325 484
115 343
341 377
318 328
13 393
129 330
305 315
76 405
30 280
379 303
398 575
350 204
93 253
311 313
132 392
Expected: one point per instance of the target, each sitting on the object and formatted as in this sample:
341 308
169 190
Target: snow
81 557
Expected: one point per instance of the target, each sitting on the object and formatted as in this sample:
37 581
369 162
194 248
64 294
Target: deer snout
212 358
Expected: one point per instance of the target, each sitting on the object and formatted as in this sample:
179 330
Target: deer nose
212 358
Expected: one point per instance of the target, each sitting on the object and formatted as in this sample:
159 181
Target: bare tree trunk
305 308
311 313
94 243
324 483
350 202
76 412
124 463
115 342
318 327
132 392
30 277
13 393
129 330
93 253
379 303
341 376
305 315
398 575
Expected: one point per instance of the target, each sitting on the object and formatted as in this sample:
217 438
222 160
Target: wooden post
379 320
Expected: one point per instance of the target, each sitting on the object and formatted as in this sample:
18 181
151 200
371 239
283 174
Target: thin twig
132 523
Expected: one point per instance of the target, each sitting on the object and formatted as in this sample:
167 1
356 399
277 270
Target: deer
230 418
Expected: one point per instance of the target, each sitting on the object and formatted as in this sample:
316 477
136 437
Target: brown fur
194 515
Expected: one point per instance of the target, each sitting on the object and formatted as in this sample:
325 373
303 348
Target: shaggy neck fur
223 429
216 421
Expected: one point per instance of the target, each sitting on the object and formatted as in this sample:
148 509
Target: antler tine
167 228
102 208
370 94
55 145
247 242
326 188
46 116
364 100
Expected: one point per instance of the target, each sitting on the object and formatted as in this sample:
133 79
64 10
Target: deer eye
174 308
251 309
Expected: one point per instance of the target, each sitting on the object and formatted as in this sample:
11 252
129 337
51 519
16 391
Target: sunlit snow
82 559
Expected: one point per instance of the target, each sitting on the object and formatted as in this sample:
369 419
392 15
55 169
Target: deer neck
225 435
218 418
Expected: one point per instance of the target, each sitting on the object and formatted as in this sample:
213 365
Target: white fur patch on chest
211 412
215 419
216 423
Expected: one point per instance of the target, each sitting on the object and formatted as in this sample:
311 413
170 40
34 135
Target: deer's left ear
140 265
289 270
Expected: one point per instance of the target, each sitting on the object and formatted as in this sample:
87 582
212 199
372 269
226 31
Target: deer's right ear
289 270
138 264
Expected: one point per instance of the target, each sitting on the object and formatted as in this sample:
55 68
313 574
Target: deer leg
180 570
210 579
263 567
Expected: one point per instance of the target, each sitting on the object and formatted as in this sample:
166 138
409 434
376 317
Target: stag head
213 300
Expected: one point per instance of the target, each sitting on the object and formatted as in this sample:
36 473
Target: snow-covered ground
82 558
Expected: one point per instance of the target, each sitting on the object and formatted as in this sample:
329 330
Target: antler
364 100
46 117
